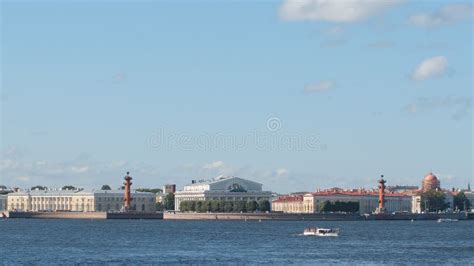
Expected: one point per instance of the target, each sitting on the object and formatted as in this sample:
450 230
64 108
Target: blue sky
92 90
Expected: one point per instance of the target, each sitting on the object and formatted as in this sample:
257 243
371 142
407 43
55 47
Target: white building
367 200
84 201
3 202
470 196
416 202
222 188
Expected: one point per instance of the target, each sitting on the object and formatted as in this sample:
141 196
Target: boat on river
447 220
315 231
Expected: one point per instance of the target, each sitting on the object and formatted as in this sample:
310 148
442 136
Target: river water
34 241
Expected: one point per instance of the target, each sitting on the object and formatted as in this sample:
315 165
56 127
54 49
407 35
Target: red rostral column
382 194
127 197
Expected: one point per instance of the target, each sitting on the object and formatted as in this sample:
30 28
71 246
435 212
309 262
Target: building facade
288 204
169 188
81 201
368 201
417 204
3 202
470 196
222 188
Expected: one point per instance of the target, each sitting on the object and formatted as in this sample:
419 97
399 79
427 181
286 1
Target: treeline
224 206
340 206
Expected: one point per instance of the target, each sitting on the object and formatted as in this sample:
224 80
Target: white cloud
458 107
282 172
8 164
446 15
23 178
431 67
340 11
214 165
80 169
320 86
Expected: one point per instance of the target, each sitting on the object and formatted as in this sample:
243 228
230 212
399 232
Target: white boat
444 220
315 231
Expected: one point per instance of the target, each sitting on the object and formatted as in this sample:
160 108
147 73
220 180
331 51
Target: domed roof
430 177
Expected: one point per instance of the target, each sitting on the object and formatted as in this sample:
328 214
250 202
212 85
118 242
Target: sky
296 95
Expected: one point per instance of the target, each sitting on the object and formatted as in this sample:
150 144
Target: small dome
430 177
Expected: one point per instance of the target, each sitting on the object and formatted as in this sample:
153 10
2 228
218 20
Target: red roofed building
288 204
368 201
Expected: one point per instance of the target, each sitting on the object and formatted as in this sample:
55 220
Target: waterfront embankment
85 215
307 216
235 216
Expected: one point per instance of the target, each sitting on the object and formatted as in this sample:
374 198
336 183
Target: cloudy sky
297 95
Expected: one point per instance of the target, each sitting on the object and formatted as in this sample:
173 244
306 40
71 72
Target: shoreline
310 216
272 216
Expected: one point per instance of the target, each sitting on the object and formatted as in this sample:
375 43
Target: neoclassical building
83 201
367 200
288 204
3 202
226 188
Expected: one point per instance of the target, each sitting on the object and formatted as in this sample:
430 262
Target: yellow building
288 204
368 201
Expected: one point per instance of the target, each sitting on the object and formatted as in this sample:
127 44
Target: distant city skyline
293 95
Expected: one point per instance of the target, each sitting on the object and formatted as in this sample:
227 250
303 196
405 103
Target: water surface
37 241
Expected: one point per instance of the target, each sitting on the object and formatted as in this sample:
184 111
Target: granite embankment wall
58 215
84 215
259 216
233 216
306 216
136 215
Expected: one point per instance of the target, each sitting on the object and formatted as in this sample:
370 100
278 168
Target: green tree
251 206
326 206
38 187
340 206
264 205
205 206
228 206
68 187
433 201
168 202
240 206
198 206
192 206
215 206
461 202
106 187
152 190
184 206
159 206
